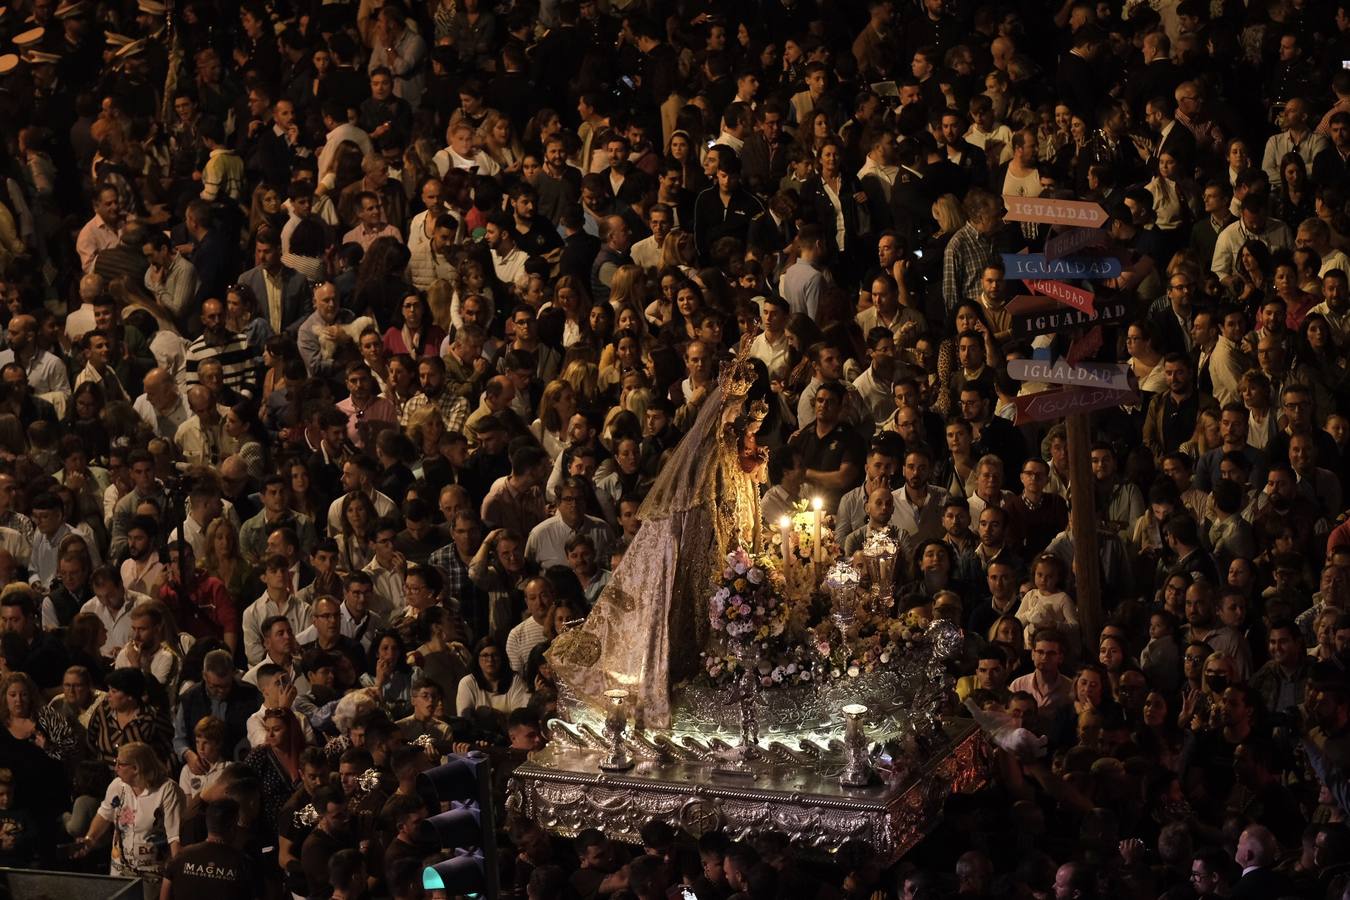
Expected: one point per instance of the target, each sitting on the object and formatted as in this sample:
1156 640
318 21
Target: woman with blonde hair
679 251
441 301
223 558
143 808
1262 419
498 140
949 214
584 377
264 209
27 719
628 288
1220 672
425 429
1205 437
557 405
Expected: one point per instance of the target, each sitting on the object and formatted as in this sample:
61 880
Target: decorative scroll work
562 790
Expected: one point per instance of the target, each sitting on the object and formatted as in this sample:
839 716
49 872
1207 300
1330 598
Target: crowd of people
343 341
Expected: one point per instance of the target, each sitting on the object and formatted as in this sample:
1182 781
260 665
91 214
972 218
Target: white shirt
95 237
646 252
117 624
344 132
447 159
165 425
511 267
1235 234
388 588
775 356
46 373
383 507
876 395
262 609
145 824
257 731
470 696
521 640
191 785
885 175
80 322
547 540
164 666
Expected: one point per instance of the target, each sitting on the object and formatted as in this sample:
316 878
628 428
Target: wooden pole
1083 527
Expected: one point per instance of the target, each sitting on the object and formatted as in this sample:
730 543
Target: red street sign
1085 345
1053 212
1064 293
1057 404
1073 241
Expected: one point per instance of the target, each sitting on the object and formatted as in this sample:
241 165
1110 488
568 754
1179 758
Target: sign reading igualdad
1049 405
1050 320
1106 375
1053 212
1035 265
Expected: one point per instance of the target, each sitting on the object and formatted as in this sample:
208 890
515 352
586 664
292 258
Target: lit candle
817 504
785 529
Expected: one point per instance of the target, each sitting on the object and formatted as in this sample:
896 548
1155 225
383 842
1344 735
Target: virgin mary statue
650 624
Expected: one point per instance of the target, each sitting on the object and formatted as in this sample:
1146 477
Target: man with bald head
498 395
202 439
81 321
1257 853
240 363
162 405
46 374
615 241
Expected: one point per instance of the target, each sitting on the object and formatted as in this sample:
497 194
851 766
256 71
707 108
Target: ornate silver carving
561 788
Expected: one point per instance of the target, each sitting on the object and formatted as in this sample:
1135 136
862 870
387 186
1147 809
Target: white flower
853 672
739 567
755 575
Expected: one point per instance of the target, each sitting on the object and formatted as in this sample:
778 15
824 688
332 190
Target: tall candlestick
817 505
785 529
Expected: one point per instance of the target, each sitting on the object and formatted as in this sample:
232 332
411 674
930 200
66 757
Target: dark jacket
857 220
243 702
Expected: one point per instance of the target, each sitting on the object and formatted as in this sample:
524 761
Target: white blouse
144 825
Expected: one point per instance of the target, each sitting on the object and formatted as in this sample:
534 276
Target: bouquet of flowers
870 641
754 626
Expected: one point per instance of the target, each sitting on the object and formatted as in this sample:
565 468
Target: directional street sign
1057 404
1035 265
1053 212
1085 345
1074 240
1035 317
1115 376
1064 293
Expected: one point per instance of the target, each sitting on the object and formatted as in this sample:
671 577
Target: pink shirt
378 410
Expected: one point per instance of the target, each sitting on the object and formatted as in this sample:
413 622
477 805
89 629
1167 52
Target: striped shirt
239 362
